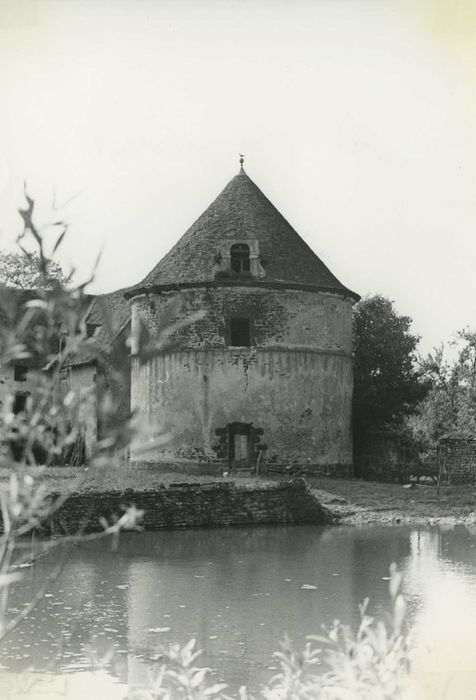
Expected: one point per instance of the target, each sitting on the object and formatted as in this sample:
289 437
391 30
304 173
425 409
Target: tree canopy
24 271
450 405
387 383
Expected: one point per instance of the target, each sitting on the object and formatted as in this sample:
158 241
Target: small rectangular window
20 373
91 329
240 332
19 403
240 257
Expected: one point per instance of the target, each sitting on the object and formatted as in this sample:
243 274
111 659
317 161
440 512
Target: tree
450 405
23 270
387 383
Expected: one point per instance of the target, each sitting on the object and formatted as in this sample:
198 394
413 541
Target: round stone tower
255 366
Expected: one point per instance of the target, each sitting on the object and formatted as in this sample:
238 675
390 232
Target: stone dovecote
262 375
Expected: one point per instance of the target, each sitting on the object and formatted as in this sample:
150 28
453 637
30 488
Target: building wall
287 319
79 379
9 387
114 386
82 382
294 386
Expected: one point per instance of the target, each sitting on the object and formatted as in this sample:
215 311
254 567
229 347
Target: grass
355 502
122 477
370 501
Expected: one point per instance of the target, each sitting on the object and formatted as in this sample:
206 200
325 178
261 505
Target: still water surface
236 591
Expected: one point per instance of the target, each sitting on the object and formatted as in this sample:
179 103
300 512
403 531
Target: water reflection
237 592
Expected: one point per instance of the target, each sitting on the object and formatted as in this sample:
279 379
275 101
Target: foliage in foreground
43 329
40 329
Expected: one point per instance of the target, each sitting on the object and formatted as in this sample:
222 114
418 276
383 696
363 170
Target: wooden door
239 446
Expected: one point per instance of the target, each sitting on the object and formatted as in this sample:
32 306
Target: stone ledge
185 505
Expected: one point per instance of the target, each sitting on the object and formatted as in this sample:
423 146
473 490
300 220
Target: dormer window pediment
239 256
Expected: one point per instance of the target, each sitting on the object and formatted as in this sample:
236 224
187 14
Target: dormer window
240 257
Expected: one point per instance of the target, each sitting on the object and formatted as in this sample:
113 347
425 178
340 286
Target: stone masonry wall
8 386
299 402
289 319
196 505
293 386
459 459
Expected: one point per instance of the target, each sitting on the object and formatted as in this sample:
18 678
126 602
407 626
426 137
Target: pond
237 592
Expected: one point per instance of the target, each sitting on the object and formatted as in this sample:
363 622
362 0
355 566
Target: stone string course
186 505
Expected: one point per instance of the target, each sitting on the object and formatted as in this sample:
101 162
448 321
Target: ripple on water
243 604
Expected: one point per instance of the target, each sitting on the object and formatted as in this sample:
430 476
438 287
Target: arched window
240 257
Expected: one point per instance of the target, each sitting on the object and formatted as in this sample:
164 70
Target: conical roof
241 211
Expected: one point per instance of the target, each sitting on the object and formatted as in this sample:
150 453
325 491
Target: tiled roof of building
110 313
109 310
242 211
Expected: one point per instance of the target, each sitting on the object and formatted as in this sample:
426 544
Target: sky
357 119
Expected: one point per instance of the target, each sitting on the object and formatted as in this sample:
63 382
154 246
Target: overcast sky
357 119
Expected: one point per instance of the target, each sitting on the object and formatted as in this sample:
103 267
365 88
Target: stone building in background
254 368
87 373
265 376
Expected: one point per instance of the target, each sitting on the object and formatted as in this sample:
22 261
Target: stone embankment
187 505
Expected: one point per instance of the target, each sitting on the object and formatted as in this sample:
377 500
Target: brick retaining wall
189 505
458 455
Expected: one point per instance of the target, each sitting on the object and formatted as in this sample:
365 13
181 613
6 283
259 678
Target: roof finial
242 160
